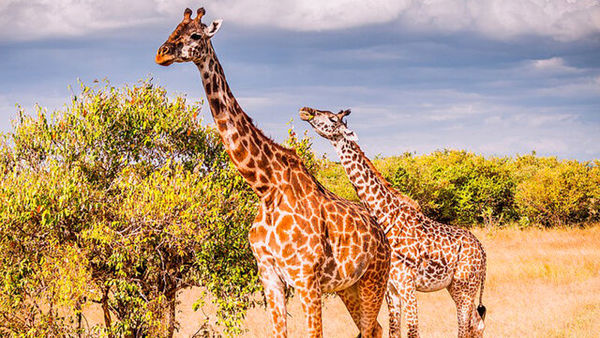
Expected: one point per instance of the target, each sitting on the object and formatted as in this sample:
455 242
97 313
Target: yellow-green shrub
44 273
557 192
465 188
454 186
131 194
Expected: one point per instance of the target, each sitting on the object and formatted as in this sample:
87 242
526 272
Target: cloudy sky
496 77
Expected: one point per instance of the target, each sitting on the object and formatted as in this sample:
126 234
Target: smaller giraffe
426 255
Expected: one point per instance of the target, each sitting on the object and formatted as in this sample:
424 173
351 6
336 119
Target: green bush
43 270
334 178
303 147
460 187
553 192
454 186
127 198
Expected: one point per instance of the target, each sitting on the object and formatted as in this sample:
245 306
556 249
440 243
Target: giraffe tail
480 308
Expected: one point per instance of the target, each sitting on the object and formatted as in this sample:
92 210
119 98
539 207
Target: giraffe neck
373 190
250 150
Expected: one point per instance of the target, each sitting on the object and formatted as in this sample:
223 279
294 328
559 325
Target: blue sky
496 77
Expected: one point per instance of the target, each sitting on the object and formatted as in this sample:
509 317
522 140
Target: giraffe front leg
310 296
273 285
275 294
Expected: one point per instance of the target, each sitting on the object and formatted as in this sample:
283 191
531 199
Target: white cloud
500 19
38 19
540 119
310 15
563 20
554 65
453 112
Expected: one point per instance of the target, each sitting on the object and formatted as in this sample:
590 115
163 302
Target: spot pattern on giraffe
303 236
426 255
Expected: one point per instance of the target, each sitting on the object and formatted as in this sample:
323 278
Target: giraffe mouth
164 60
306 115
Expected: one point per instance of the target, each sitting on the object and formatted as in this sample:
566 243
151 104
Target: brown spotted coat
426 255
303 235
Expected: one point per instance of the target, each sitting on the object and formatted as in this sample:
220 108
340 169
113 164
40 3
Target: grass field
540 283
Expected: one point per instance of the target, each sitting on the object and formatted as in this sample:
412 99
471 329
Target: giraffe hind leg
464 294
370 303
351 300
362 313
371 291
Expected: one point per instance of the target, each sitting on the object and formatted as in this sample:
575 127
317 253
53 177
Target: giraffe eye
333 119
196 36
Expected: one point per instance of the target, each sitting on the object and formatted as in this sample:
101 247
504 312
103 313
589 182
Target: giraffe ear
213 28
349 134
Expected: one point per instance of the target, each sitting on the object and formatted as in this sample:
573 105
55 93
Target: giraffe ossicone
426 255
303 236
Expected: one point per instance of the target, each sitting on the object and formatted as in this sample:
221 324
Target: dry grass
540 283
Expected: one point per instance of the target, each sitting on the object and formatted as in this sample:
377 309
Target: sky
495 77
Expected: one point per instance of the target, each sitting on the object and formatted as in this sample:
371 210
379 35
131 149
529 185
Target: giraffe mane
385 182
290 153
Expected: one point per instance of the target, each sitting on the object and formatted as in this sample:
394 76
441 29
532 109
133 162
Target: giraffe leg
350 298
462 292
392 297
275 295
371 290
408 295
310 296
370 303
273 285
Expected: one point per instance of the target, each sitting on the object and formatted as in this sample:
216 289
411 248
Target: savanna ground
540 283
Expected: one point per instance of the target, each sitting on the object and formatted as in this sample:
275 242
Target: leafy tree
43 271
303 147
127 197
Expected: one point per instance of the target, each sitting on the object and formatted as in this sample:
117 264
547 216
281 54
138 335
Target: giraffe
426 255
303 236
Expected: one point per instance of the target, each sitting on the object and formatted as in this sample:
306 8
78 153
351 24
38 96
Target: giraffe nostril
164 55
164 50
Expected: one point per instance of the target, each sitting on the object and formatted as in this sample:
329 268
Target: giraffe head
189 41
327 124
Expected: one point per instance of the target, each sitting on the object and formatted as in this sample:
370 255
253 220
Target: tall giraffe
426 255
303 235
